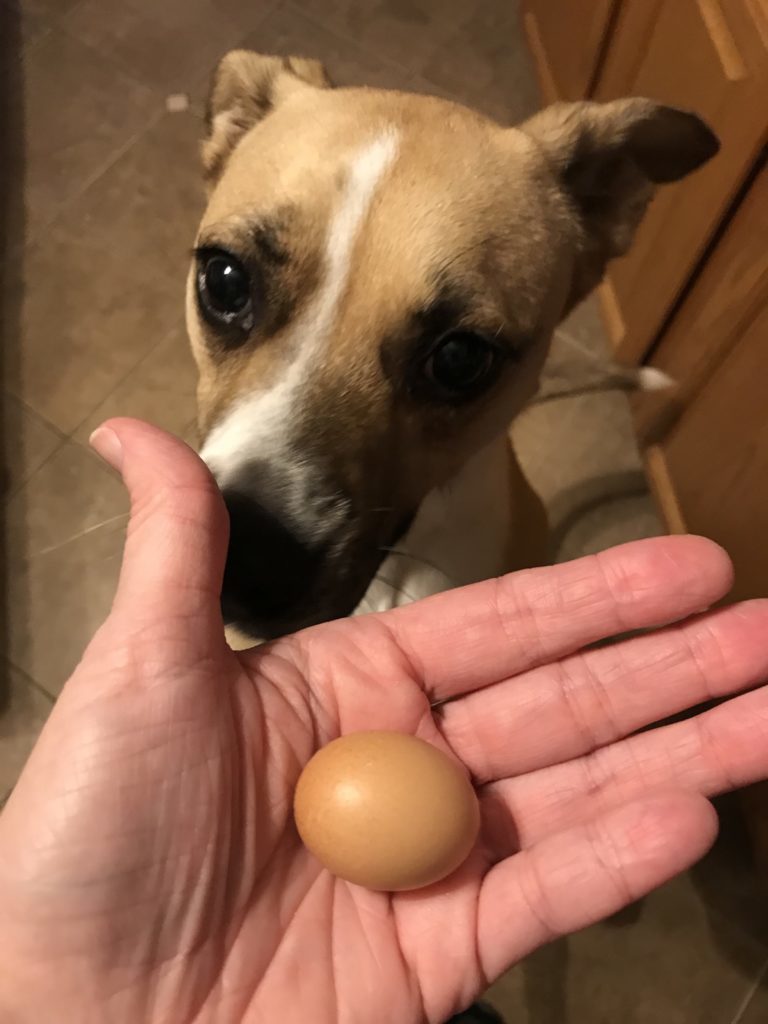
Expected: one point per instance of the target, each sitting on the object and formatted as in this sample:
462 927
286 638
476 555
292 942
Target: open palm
149 866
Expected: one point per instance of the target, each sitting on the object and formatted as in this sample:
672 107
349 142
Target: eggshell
386 810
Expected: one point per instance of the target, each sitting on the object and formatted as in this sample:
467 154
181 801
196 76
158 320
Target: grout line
118 69
134 369
37 415
91 179
120 66
750 993
123 70
62 439
23 484
32 683
39 688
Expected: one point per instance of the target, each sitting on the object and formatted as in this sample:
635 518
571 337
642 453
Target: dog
375 283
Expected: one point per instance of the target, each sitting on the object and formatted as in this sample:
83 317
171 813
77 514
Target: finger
593 698
719 750
177 534
587 873
468 638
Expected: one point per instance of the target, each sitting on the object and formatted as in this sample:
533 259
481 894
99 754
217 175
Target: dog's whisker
122 517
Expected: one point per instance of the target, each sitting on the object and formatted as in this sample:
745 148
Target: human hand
149 866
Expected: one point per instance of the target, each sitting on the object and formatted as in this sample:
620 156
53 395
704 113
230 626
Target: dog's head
376 279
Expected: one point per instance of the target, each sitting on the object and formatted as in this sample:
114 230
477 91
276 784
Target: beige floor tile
71 493
160 390
22 716
485 63
64 533
289 31
27 442
170 45
107 284
407 32
78 111
673 964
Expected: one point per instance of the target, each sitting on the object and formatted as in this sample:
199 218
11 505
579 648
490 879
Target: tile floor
101 197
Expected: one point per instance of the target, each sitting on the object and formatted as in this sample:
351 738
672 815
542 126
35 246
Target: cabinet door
710 56
717 459
712 319
566 41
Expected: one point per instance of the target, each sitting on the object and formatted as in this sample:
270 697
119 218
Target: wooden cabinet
707 55
566 40
717 458
691 297
708 462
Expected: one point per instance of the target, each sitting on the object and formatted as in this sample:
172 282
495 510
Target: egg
386 810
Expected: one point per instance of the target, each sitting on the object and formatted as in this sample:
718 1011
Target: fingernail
106 443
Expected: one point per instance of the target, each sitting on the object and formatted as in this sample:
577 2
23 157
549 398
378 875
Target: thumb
177 534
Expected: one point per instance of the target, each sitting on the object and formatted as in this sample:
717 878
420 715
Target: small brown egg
386 811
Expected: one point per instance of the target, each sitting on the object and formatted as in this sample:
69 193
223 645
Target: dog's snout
269 568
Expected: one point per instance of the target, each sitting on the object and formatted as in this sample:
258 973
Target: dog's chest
460 535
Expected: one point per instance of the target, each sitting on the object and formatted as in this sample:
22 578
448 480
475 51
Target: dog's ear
245 87
608 158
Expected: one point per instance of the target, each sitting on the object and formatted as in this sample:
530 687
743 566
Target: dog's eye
461 364
224 288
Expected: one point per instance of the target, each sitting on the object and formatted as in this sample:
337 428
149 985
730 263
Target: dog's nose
269 569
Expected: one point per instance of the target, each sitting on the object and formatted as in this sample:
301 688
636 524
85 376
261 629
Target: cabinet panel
717 458
704 55
730 288
566 39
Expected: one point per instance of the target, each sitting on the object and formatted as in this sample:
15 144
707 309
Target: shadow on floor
12 230
730 887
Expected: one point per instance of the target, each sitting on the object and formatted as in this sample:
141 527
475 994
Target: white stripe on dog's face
260 427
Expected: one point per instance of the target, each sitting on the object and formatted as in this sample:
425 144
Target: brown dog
376 281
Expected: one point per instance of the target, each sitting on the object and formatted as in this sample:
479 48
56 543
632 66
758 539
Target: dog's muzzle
295 561
269 572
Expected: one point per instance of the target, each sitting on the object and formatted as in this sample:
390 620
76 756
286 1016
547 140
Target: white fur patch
260 426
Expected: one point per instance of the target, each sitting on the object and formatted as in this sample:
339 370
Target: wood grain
566 40
672 53
732 287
